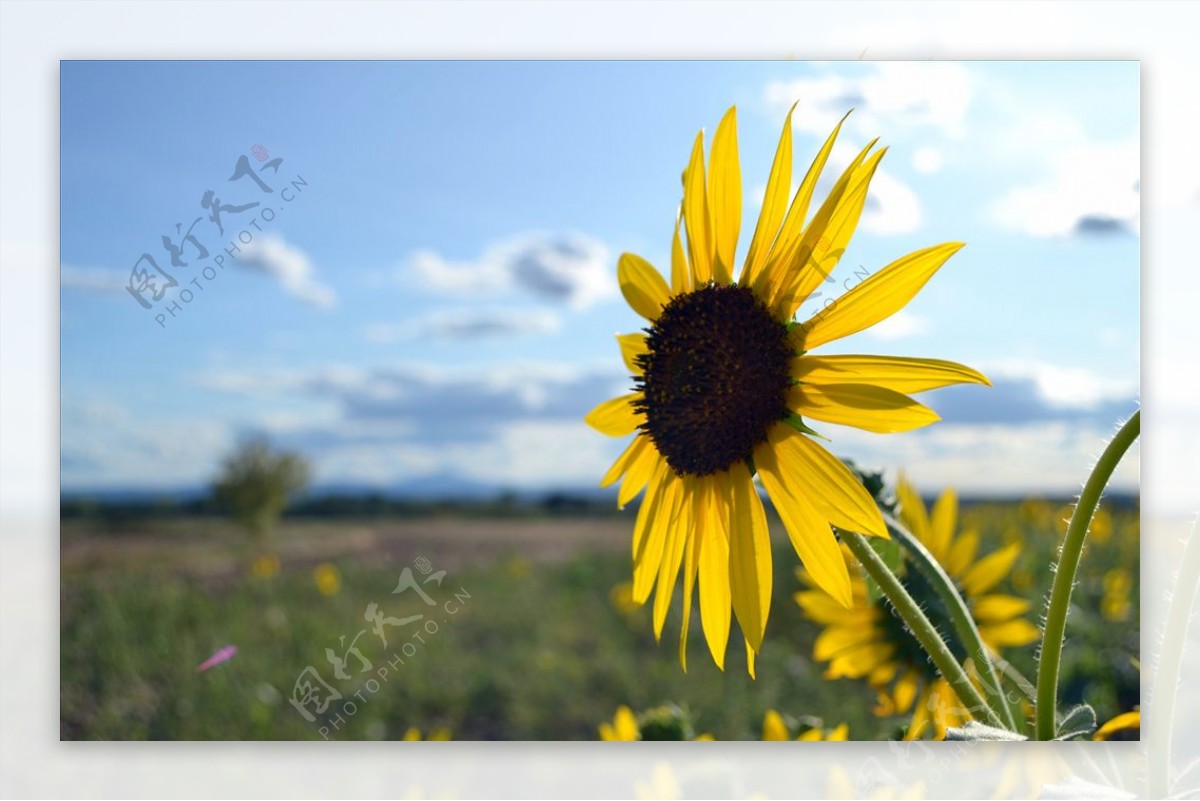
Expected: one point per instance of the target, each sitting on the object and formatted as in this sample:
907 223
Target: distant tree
256 482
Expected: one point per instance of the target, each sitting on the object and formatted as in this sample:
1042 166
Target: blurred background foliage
546 646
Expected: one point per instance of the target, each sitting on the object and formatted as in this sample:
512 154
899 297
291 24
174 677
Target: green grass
537 651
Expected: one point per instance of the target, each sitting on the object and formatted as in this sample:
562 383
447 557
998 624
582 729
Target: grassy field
526 638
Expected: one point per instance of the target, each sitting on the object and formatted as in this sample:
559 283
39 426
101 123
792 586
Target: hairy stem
1064 576
925 632
960 616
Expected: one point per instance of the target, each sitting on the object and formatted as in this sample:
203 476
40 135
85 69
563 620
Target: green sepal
795 421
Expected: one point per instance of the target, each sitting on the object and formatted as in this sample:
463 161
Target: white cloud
928 160
569 268
885 97
1041 458
288 265
521 425
105 445
1063 387
467 324
892 208
538 455
510 425
1088 187
92 279
901 325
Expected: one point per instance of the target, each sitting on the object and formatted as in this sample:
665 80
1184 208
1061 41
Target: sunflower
725 386
776 728
870 642
666 722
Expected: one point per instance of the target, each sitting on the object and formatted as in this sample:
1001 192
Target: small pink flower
222 655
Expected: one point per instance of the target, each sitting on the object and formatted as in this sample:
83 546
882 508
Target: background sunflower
869 642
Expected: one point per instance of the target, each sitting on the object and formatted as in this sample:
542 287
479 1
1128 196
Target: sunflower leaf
974 730
1079 721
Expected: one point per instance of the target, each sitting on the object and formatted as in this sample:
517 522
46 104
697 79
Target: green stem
960 616
925 632
1064 576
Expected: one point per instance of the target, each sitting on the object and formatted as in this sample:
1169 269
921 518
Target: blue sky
437 300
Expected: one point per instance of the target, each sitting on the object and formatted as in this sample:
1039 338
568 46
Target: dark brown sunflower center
715 378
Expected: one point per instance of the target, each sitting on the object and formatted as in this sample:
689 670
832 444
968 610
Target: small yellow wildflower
265 566
327 578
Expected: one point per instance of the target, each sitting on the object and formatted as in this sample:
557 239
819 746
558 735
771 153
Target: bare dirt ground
213 549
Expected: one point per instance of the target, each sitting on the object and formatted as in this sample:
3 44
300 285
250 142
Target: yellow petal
1014 633
749 555
681 276
816 474
811 736
998 608
814 257
624 461
942 523
616 417
750 660
905 691
678 531
774 205
627 724
715 609
640 470
725 196
882 674
1126 720
691 564
809 532
821 608
854 663
839 734
860 406
644 289
650 530
774 729
912 511
947 709
988 571
921 717
696 216
632 346
897 373
962 554
877 298
835 639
